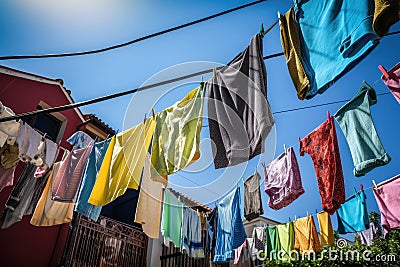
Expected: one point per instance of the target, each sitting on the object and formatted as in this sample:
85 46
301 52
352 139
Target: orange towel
306 236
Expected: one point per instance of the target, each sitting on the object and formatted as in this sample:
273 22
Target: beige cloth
9 130
148 211
49 212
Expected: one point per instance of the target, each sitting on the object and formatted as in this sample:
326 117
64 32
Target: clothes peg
154 112
294 217
262 29
289 219
316 211
279 17
355 191
284 148
361 187
145 117
328 114
307 213
373 181
299 140
384 72
214 71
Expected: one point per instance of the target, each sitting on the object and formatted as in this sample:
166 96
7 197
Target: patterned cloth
282 180
322 146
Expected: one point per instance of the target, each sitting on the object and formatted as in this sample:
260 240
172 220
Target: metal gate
106 243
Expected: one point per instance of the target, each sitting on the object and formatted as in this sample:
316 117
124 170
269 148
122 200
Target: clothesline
136 40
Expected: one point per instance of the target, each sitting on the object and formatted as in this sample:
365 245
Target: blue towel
352 216
334 35
89 178
230 229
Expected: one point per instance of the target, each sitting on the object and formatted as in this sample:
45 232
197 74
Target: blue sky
46 26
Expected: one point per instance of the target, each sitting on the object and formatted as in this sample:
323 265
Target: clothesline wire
197 183
128 92
136 40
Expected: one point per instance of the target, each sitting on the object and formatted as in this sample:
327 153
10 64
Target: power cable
136 40
104 98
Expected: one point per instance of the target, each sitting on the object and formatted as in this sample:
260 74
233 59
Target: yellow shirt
123 163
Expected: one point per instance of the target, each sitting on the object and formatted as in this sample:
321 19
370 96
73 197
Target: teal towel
352 216
355 120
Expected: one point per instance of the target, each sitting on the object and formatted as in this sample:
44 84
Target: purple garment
393 82
388 198
282 180
368 235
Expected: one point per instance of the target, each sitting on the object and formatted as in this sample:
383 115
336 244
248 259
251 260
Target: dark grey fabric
252 197
239 114
24 197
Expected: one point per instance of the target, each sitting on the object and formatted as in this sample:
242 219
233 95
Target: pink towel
388 198
393 82
238 252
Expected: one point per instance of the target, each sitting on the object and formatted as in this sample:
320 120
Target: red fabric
322 146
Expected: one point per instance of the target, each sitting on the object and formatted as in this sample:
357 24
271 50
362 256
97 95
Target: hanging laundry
252 249
203 221
367 236
9 156
325 229
176 142
352 216
68 179
290 41
306 236
252 197
46 153
230 230
322 146
49 212
355 120
282 180
259 237
238 252
286 240
89 178
334 35
388 198
79 140
272 243
211 236
393 81
6 177
9 130
24 197
123 163
387 13
191 233
171 222
148 210
239 115
28 142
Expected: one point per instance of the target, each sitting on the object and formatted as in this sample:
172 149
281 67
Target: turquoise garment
171 222
334 36
355 120
89 178
352 216
230 229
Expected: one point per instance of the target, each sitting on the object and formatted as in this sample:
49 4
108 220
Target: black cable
104 98
136 40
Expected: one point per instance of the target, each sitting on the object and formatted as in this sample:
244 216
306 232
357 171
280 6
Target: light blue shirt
352 216
334 36
230 229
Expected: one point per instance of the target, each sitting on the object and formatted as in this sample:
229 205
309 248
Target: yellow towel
123 163
148 211
49 212
325 229
306 236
